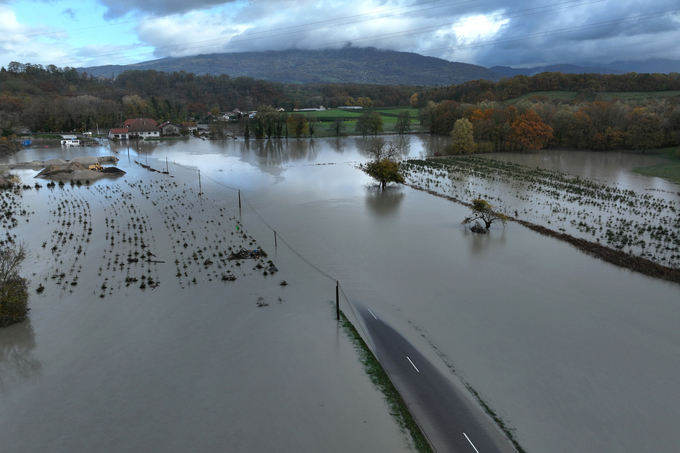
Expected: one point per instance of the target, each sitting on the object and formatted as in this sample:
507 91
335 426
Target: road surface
450 420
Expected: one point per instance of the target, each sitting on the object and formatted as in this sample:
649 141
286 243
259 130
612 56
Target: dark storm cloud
598 32
119 8
494 32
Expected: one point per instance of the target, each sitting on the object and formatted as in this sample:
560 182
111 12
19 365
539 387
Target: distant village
142 128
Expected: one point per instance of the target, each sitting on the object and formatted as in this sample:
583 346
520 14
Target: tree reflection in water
481 244
17 363
384 203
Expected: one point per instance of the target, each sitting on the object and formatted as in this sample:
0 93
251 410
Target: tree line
46 99
529 124
587 86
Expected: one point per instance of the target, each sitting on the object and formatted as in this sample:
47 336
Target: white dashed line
473 445
369 310
419 372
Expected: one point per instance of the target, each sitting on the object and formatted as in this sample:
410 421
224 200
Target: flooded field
573 354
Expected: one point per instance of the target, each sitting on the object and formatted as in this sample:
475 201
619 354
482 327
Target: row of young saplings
202 242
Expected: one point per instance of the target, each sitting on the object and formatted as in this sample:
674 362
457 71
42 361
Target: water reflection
366 145
480 244
337 144
434 145
17 343
384 203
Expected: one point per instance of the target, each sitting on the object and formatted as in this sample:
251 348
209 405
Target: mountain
347 65
652 66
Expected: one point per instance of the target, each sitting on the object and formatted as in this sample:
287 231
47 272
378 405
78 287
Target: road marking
369 310
473 445
419 372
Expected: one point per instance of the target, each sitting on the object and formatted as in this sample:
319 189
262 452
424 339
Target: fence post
239 198
275 244
337 300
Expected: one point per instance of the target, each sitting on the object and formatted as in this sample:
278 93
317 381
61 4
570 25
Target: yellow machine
95 167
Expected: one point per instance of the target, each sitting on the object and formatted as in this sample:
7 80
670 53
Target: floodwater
574 354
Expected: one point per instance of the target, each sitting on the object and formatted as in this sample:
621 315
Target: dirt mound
49 162
74 171
85 160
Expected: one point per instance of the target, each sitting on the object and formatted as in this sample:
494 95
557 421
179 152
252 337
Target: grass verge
379 378
668 170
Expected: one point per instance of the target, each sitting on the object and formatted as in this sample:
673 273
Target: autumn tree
462 137
482 210
403 122
13 288
645 131
298 125
384 167
369 123
337 126
312 122
267 117
427 116
530 132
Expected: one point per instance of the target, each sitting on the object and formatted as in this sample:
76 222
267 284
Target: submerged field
643 224
553 341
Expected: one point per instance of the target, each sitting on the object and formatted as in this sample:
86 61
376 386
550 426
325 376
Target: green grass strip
379 378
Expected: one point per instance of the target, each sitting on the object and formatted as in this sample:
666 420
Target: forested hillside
348 65
56 99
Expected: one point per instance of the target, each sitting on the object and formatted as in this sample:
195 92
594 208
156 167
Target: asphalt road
450 420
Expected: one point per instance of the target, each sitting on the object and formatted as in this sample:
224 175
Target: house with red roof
119 134
143 128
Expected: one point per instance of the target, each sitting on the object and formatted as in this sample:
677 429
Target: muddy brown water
572 353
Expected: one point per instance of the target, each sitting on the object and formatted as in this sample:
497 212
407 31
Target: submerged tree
482 210
369 123
13 288
462 138
403 122
384 167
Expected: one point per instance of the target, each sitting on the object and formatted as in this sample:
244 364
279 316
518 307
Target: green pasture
669 170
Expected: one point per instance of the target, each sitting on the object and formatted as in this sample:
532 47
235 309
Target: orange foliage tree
530 132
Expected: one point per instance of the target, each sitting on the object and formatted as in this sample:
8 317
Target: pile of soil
74 171
9 147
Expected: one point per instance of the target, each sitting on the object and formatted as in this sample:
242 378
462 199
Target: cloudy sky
484 32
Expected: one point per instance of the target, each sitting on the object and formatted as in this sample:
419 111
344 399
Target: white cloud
488 33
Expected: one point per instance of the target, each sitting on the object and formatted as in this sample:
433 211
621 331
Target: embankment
608 254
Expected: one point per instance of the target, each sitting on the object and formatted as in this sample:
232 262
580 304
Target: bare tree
13 288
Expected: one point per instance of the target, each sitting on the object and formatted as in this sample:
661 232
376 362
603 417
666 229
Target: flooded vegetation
547 338
640 224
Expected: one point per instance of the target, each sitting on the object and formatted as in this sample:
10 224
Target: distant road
450 421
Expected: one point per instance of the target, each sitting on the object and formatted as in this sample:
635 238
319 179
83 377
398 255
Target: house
190 125
318 108
70 140
119 134
169 128
143 128
128 123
